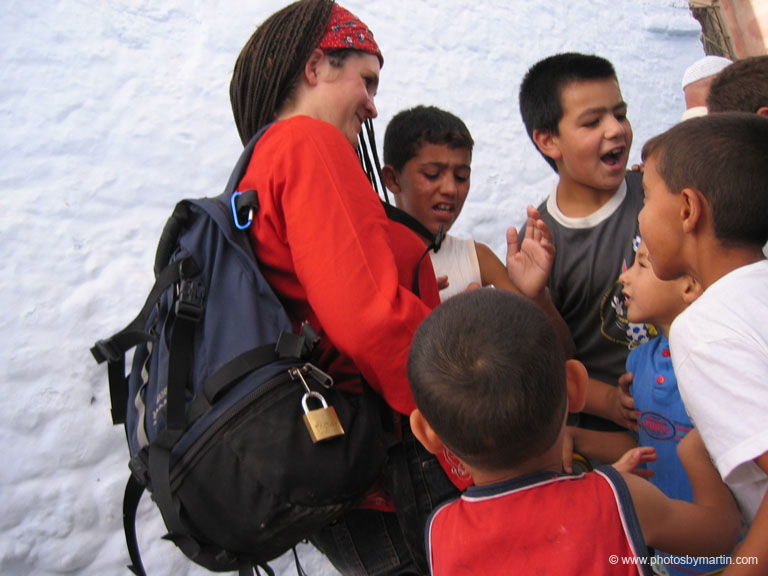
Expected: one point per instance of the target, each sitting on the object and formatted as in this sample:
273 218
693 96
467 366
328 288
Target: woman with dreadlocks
310 72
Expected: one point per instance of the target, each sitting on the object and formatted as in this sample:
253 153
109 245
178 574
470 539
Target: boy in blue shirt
661 416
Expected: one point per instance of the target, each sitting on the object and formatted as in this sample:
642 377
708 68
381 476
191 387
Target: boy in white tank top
427 157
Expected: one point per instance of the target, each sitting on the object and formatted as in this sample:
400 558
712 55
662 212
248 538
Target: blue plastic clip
234 213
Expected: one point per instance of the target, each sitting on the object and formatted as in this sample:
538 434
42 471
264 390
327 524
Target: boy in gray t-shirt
574 113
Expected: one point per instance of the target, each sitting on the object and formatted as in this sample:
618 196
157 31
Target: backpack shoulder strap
434 241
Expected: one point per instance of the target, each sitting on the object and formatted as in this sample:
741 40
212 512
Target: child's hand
626 401
621 409
442 282
529 264
631 459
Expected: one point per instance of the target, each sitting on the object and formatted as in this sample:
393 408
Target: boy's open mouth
613 158
446 209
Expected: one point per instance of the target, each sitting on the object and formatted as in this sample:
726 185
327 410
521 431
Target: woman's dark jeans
373 543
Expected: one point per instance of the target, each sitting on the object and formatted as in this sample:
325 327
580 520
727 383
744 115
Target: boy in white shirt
706 214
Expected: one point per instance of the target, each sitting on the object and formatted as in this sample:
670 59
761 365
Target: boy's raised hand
529 262
631 459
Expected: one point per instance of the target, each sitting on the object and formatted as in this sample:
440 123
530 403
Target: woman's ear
425 434
546 143
312 67
577 380
391 178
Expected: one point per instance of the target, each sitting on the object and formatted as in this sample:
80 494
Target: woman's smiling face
347 92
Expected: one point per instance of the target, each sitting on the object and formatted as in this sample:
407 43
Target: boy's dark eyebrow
445 165
603 109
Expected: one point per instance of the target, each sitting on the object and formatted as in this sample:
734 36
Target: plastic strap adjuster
106 350
191 300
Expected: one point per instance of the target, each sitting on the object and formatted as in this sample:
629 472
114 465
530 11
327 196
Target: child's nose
450 187
613 128
623 278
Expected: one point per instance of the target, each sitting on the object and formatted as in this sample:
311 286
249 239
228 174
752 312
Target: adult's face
345 91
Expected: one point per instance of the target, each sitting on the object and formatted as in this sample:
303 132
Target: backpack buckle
139 466
289 345
106 350
191 302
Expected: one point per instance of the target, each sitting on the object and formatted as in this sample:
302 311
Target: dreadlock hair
268 65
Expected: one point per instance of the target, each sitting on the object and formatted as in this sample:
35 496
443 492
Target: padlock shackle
312 394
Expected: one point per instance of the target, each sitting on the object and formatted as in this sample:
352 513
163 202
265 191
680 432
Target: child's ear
425 434
763 111
545 142
692 207
577 379
391 178
691 289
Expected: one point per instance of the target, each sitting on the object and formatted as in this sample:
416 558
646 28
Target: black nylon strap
415 288
133 334
245 159
113 349
131 499
228 375
434 241
236 368
247 200
118 390
394 213
189 310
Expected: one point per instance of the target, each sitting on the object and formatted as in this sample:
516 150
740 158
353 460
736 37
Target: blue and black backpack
215 399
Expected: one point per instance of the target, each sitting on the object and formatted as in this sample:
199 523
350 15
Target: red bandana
346 31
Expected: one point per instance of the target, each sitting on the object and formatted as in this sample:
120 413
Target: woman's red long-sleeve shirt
334 259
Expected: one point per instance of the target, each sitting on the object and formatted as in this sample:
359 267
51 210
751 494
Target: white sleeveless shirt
457 259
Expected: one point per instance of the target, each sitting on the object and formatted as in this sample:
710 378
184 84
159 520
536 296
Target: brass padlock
322 423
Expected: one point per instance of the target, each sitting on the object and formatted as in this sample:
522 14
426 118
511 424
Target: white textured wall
112 111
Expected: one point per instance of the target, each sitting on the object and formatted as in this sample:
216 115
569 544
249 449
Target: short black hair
410 129
740 87
488 373
723 156
541 90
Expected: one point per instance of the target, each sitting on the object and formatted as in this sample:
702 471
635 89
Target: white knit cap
707 66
